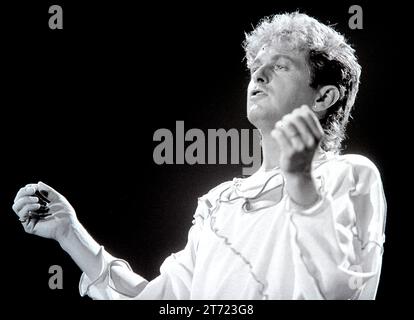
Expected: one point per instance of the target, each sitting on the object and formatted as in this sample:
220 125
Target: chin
261 117
254 113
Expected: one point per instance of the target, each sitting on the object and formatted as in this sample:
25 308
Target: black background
80 107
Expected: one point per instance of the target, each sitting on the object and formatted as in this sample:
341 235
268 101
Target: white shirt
249 240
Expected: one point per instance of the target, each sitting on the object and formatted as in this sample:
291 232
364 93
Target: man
309 224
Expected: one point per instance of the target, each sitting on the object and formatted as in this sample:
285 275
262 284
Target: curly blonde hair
331 59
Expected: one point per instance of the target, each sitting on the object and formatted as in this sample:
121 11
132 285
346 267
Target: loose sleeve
117 280
109 286
340 238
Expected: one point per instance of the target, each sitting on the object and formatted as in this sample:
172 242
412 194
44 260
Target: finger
24 212
291 131
281 138
27 190
19 204
51 193
29 225
297 143
287 126
313 122
305 131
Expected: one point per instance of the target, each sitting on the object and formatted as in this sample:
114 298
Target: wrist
82 248
301 189
68 233
299 180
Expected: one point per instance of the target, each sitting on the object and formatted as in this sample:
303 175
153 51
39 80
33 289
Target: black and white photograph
219 152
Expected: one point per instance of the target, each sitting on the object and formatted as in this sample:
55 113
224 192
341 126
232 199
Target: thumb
48 191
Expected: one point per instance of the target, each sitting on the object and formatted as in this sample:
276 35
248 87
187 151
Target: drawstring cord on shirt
245 208
246 204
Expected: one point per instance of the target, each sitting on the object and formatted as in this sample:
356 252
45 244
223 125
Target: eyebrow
276 57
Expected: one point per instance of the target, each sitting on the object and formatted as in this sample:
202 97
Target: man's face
279 83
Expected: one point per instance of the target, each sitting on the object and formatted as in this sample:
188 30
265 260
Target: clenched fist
298 134
53 225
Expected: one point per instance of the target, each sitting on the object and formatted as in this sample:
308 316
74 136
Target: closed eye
253 69
280 67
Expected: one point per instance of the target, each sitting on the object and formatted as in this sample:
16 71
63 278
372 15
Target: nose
260 75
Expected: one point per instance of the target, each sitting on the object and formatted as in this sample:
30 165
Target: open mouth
257 93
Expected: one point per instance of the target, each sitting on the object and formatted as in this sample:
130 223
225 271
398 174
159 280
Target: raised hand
49 220
298 134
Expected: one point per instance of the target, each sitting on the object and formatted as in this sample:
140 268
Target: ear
326 97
